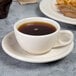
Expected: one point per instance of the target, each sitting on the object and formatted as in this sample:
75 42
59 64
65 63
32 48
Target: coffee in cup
37 28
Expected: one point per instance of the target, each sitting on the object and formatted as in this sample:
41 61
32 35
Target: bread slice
27 1
66 9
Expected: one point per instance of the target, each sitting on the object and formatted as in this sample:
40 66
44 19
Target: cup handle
65 37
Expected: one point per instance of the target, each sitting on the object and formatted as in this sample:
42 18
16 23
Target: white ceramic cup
38 44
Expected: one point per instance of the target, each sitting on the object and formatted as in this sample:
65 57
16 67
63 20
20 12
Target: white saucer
11 47
49 9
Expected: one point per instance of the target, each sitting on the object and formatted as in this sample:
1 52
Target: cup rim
30 18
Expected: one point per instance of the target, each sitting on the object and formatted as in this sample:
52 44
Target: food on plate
67 7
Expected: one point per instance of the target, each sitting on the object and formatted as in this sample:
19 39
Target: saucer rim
32 61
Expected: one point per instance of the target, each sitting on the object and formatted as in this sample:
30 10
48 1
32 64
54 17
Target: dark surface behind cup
4 8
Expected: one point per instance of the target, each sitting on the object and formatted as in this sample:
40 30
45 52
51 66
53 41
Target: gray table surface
12 67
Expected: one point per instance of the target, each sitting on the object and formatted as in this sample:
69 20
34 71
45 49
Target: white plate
48 7
11 47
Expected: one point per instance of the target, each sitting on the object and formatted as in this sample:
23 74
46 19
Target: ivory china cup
36 44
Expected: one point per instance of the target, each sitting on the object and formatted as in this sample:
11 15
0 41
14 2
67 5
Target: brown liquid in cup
37 28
